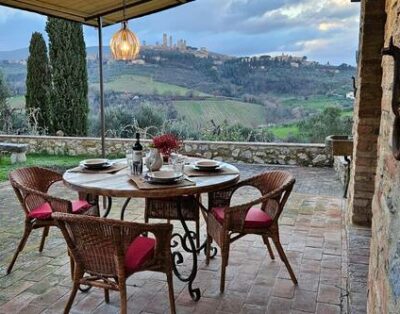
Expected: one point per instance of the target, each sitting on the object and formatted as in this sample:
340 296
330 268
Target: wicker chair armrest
52 177
56 204
222 198
235 216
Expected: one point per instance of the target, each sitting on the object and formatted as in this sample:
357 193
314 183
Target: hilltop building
165 41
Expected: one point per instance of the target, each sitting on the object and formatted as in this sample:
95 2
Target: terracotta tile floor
312 232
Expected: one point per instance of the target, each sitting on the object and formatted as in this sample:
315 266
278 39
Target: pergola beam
87 12
117 9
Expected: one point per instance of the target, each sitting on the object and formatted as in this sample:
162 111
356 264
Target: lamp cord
123 13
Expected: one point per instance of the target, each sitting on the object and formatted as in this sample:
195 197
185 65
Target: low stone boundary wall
258 153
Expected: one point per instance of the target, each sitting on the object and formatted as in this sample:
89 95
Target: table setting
103 165
161 174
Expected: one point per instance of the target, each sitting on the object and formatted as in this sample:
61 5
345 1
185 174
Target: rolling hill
142 85
200 113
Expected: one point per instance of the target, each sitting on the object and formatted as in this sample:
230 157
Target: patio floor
330 261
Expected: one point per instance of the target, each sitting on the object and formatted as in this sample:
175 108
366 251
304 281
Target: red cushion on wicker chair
44 210
255 217
139 251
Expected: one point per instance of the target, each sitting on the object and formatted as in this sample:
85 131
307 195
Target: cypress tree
69 97
38 81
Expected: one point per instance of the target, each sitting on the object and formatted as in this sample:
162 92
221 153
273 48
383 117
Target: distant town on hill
199 89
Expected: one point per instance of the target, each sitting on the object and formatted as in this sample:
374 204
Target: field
283 131
143 85
315 102
200 113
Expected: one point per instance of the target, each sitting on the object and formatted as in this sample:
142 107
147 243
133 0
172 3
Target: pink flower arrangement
166 143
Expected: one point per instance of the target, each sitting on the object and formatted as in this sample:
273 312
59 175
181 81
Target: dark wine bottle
137 156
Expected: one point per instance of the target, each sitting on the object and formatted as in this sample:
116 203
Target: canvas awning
87 12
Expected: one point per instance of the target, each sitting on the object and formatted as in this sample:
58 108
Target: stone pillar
367 111
384 263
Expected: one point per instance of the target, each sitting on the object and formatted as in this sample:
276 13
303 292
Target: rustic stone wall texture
313 155
384 271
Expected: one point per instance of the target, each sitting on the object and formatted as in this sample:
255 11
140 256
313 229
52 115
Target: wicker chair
109 251
226 224
166 208
31 186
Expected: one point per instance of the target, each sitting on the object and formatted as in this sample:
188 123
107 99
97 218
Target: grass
57 162
143 85
283 131
200 113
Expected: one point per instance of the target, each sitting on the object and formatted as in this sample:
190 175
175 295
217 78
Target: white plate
94 162
207 164
163 175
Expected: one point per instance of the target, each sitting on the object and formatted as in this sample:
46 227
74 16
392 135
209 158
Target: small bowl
207 164
94 162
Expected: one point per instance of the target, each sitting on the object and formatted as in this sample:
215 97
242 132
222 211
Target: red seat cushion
255 217
44 210
139 251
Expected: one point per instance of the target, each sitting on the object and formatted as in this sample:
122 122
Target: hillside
200 113
195 88
142 85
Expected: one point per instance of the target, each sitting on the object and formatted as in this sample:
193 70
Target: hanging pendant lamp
124 44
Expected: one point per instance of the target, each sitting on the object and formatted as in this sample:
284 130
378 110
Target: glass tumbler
178 165
129 160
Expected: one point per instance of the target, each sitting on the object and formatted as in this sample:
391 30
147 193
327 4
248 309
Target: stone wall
259 153
367 111
384 271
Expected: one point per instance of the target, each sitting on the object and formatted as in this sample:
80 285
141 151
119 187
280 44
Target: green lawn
202 112
143 85
60 163
283 131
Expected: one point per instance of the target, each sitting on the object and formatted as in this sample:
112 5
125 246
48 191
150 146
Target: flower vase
155 158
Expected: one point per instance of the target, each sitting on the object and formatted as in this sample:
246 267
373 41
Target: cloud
235 27
9 15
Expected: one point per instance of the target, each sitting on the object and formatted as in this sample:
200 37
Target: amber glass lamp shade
124 44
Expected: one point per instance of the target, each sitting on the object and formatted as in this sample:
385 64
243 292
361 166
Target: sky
322 30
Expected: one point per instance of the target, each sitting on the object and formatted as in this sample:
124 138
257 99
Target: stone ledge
302 154
13 147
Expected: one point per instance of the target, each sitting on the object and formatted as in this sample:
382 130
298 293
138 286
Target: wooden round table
120 185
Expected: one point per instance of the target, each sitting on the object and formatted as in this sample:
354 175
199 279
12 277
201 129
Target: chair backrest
98 245
275 188
25 181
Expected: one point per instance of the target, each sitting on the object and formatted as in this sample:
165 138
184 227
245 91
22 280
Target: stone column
384 263
367 111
